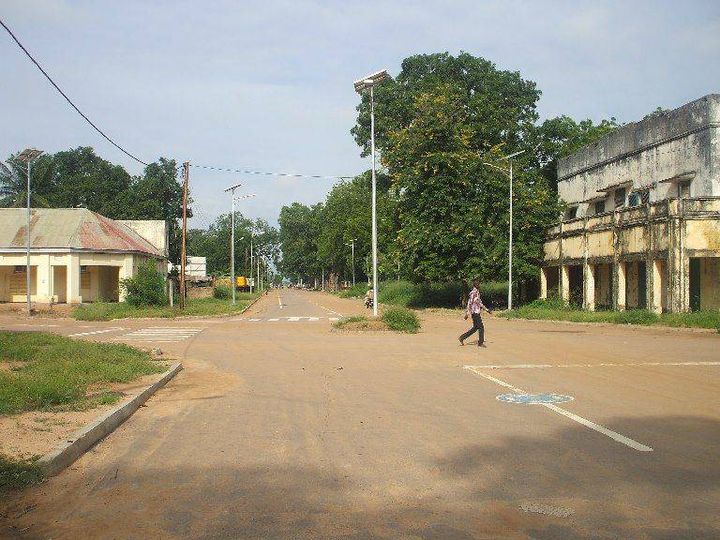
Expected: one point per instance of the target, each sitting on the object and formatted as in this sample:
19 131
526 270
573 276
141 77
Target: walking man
474 308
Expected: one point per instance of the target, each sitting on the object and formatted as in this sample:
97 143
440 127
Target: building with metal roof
75 255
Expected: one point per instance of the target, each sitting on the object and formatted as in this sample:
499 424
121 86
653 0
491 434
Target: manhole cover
532 399
547 509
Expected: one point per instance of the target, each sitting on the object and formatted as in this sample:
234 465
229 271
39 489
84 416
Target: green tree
561 136
83 179
440 120
298 237
13 182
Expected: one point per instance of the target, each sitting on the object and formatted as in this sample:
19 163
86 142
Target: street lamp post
509 172
352 257
232 189
361 85
28 156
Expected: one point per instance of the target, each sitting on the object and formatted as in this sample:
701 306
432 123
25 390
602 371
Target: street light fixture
509 172
352 251
362 85
232 189
28 156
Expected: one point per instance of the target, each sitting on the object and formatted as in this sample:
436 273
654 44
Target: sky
267 85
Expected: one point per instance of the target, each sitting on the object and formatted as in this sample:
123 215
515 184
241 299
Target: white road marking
95 332
604 364
280 302
584 421
293 319
314 319
162 335
273 320
334 318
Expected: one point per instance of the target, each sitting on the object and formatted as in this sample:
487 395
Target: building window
600 207
19 270
684 189
83 269
620 197
641 196
571 212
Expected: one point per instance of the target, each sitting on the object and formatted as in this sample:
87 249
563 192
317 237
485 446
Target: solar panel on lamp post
510 248
28 156
361 85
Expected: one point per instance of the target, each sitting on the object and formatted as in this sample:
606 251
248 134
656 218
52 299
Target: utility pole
352 256
183 253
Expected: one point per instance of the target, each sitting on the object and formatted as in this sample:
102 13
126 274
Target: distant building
76 255
642 225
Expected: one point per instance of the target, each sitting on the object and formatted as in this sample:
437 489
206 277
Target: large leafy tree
300 227
83 179
439 122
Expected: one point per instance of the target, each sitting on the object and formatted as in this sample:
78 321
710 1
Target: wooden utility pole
183 253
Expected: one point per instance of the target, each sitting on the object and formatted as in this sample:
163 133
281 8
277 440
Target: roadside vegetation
557 310
40 371
397 319
146 298
430 295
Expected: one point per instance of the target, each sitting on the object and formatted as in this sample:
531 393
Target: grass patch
401 319
101 311
556 310
397 319
18 474
58 372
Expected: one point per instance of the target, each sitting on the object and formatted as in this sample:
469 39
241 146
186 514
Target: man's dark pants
477 325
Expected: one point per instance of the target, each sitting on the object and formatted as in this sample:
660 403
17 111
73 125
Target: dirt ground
281 428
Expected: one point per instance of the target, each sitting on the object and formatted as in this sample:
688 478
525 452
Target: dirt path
280 428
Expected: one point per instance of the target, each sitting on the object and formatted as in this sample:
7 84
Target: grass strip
101 311
47 371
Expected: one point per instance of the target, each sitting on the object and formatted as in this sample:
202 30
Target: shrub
356 291
222 292
635 316
401 320
398 293
146 288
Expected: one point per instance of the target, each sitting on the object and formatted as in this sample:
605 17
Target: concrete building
76 255
642 225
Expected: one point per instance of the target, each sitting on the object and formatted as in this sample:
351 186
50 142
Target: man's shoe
482 345
461 341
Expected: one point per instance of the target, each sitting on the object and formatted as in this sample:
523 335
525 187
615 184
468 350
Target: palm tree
13 183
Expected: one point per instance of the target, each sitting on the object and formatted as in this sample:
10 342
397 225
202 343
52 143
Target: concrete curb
86 437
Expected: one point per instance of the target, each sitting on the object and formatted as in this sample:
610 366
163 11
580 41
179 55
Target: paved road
282 428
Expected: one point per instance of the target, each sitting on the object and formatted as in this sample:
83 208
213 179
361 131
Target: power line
265 173
116 145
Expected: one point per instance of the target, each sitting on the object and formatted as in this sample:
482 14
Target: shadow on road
471 492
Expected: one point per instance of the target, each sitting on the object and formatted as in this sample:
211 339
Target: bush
401 320
146 288
635 316
356 291
221 292
443 294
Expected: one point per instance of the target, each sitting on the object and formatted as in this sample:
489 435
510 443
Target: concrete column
43 275
620 299
589 287
543 283
73 279
126 271
565 283
655 286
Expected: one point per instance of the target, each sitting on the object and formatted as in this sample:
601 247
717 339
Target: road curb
89 435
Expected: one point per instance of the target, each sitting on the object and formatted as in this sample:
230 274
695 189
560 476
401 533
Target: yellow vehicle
241 282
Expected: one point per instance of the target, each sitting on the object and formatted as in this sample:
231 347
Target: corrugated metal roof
74 228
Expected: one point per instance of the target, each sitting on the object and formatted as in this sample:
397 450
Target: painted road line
162 335
280 301
314 319
293 319
630 364
273 320
584 421
334 318
96 332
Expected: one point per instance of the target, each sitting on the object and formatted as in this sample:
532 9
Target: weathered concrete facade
642 229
